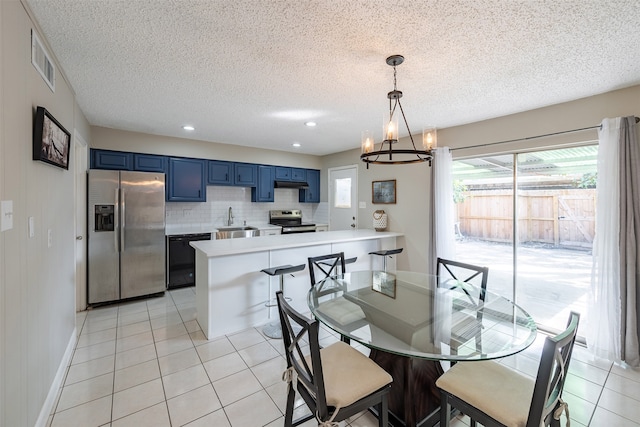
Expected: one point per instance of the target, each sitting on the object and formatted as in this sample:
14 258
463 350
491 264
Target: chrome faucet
230 218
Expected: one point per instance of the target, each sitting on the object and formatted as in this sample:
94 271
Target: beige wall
113 139
37 283
410 214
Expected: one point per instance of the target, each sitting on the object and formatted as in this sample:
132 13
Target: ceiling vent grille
41 61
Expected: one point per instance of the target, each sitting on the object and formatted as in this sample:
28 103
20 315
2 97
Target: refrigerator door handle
116 220
122 215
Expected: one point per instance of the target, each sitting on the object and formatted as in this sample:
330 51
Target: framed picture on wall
383 192
51 141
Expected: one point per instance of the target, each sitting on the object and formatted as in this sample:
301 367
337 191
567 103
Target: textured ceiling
251 72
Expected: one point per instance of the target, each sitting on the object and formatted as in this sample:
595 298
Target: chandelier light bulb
429 138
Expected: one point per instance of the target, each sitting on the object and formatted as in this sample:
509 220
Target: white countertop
213 248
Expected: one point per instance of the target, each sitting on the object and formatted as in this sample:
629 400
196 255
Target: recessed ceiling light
188 127
296 144
310 124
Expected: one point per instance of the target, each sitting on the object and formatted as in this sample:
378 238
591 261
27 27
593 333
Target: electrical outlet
32 231
6 215
49 238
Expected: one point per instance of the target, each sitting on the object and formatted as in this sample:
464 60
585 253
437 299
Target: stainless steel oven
290 221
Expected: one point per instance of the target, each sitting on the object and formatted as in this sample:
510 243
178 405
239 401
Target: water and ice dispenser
104 219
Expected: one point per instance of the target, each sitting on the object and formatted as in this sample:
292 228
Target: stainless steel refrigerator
126 241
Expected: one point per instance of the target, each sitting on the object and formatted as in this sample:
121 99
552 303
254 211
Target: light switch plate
363 205
49 238
6 215
32 231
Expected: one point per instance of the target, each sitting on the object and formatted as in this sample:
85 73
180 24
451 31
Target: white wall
37 282
410 214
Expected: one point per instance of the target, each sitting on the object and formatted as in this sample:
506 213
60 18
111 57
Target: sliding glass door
537 239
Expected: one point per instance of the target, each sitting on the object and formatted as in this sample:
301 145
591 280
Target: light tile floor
147 363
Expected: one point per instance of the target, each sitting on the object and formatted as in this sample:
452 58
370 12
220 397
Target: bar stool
386 253
273 329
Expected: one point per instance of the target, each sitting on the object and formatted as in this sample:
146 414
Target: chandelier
386 154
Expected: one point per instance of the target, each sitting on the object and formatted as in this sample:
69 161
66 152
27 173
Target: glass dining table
412 322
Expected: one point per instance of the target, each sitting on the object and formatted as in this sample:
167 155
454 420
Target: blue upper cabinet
298 174
114 160
220 173
149 163
187 180
290 174
311 194
263 192
230 173
245 175
283 174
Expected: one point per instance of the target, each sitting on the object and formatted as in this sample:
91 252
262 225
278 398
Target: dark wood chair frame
310 381
329 265
474 270
458 271
547 392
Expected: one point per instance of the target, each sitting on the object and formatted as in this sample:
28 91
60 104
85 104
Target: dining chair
494 395
336 382
323 266
470 280
457 274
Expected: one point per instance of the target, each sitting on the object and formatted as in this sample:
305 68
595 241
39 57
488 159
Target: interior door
343 198
80 157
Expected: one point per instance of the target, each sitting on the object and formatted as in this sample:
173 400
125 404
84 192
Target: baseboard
47 407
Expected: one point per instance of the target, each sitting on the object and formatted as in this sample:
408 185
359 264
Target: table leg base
414 397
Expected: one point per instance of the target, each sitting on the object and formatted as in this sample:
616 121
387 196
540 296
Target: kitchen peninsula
231 291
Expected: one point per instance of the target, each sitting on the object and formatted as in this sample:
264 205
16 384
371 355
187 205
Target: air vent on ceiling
41 61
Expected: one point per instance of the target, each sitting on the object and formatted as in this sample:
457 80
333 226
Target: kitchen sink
236 232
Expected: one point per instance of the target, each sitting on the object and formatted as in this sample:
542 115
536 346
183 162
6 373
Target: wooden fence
559 217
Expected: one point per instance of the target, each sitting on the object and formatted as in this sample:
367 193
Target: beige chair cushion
349 375
491 387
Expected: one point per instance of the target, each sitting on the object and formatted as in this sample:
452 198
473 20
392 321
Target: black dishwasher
181 259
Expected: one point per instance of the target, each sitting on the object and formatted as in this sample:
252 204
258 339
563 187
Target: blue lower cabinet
112 160
263 192
311 194
187 180
149 163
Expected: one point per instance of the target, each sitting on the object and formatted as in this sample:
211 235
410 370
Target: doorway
343 198
530 218
80 182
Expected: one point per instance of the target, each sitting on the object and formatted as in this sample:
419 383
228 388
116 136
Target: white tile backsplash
214 212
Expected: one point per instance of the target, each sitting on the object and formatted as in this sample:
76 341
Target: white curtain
442 208
612 330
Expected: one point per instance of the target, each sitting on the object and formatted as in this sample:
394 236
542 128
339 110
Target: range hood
290 184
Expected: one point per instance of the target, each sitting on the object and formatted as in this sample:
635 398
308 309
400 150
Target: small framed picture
51 141
383 192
